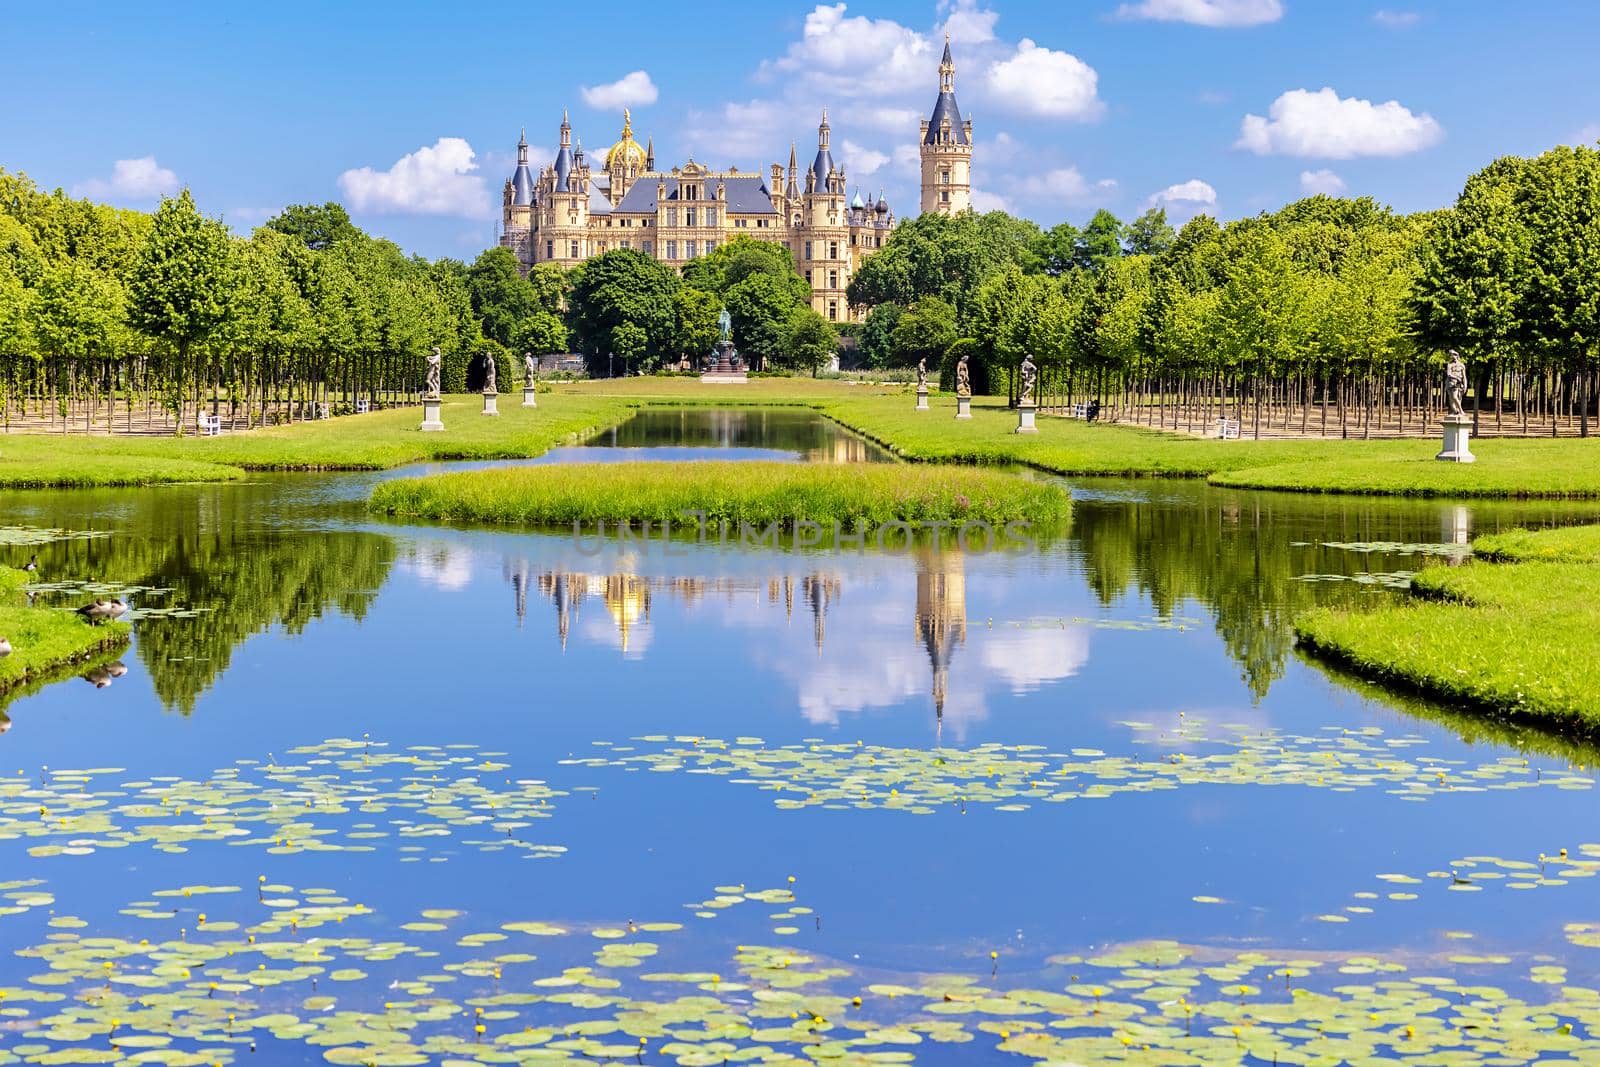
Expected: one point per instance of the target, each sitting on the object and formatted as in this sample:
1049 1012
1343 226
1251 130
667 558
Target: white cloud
131 179
1588 135
1002 149
967 23
1213 97
861 161
1206 12
1323 124
1026 660
856 56
738 133
1192 193
983 200
1396 20
1066 183
1044 82
899 120
631 90
433 180
1321 183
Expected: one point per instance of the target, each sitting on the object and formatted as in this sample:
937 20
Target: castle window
944 176
649 248
833 310
626 244
672 216
833 249
833 279
739 224
690 249
688 216
808 249
672 250
808 277
549 250
709 246
852 240
944 195
711 216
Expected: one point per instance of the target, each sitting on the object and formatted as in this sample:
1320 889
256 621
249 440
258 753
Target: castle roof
744 195
626 151
522 178
563 168
946 108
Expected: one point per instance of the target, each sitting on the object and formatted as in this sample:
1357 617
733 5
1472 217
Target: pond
364 788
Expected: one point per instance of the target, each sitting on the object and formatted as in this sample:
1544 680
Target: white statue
530 368
1029 373
433 373
1455 385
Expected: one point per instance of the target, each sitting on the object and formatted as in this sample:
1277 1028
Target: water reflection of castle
940 618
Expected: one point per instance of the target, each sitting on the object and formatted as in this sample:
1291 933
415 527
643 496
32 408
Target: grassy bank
45 641
1516 638
376 441
757 493
1506 468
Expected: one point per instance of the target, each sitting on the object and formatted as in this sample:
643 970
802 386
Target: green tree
1149 234
1055 251
760 308
181 290
810 341
877 335
617 288
540 333
501 297
695 329
924 331
318 226
1100 242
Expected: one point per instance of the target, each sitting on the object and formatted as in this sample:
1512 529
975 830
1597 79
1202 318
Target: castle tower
824 257
946 148
625 160
561 200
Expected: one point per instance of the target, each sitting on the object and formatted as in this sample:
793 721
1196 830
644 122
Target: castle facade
571 210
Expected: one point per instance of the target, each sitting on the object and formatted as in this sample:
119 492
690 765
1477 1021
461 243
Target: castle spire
947 69
650 154
566 130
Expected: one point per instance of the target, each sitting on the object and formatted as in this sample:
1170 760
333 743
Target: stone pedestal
963 407
1457 433
491 403
528 400
1025 417
922 398
430 414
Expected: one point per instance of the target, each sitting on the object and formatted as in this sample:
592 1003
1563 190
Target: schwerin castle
571 211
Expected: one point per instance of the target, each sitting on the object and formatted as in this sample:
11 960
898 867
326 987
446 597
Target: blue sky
410 112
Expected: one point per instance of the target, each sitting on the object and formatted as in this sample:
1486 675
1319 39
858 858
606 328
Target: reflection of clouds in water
633 642
447 566
1026 658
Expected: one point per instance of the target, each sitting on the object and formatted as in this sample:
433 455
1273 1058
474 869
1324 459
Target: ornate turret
792 190
522 177
946 148
650 154
822 167
563 163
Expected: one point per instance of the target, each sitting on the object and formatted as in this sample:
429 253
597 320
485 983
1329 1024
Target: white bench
1228 429
1080 411
322 410
210 425
363 406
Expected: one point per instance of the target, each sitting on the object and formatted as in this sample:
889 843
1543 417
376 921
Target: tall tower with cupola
946 148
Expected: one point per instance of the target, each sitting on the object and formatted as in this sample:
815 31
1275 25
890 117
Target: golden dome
626 152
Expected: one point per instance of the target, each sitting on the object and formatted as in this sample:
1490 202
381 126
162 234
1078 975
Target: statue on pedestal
1029 374
432 387
530 368
489 372
963 377
1455 386
922 373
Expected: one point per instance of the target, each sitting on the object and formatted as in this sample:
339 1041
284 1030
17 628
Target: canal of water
360 788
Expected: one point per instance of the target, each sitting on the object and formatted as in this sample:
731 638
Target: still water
640 805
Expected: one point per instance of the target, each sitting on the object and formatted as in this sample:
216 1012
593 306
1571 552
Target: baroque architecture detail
573 210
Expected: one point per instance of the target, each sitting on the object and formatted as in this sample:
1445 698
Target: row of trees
1330 314
172 313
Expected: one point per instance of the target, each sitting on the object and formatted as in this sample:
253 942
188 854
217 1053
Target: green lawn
755 493
46 640
1537 467
1517 637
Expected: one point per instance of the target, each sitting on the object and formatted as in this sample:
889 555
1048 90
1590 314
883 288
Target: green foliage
760 306
621 302
810 342
761 493
45 641
1149 234
540 333
876 339
695 330
317 226
948 256
924 331
181 290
